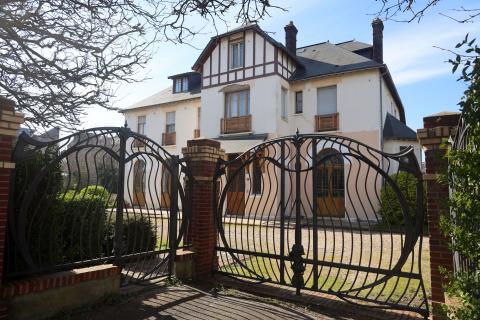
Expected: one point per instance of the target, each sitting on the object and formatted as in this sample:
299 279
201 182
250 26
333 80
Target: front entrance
290 238
236 192
139 183
330 193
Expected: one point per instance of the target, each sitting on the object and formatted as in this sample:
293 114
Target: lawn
375 249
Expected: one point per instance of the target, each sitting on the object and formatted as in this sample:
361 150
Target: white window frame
284 103
180 85
319 111
141 124
168 124
230 100
239 53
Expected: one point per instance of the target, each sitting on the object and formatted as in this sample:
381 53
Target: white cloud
412 50
415 75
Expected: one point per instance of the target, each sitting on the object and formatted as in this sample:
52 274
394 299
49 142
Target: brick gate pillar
436 129
9 123
202 156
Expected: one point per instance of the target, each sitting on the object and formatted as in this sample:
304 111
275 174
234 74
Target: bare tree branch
58 57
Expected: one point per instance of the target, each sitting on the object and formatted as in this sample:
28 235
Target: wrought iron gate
308 214
103 195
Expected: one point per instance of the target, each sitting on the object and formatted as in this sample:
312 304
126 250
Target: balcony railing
169 138
236 124
326 122
196 133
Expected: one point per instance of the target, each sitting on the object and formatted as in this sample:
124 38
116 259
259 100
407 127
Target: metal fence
103 195
324 213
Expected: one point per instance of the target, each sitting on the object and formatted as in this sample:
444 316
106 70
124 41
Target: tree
59 57
415 10
463 177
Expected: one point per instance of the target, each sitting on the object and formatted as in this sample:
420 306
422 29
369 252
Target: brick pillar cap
203 143
7 104
444 118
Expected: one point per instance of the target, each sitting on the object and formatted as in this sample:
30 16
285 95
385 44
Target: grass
396 289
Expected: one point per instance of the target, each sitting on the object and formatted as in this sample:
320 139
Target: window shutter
327 100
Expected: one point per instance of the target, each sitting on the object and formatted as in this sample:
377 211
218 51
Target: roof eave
157 105
336 73
393 90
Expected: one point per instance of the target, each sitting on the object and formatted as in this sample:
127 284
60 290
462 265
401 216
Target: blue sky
422 76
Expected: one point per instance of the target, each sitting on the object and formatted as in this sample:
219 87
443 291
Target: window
256 176
237 104
284 103
141 124
181 84
199 113
170 122
237 50
327 100
299 102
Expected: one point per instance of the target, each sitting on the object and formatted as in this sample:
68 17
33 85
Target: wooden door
236 191
166 192
330 184
139 183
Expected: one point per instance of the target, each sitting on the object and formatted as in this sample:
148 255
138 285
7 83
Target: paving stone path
187 303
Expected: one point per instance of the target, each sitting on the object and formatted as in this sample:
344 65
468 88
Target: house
247 87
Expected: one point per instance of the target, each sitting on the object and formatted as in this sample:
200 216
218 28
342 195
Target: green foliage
108 177
42 217
84 225
390 209
464 180
138 235
95 190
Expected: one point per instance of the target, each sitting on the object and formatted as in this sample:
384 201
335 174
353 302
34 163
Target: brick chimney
377 26
291 38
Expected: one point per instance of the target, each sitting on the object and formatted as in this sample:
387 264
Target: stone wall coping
10 121
7 165
58 280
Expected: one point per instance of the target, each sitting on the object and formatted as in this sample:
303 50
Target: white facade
186 121
363 99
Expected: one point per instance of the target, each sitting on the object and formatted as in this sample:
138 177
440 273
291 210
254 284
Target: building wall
357 103
261 59
264 105
185 122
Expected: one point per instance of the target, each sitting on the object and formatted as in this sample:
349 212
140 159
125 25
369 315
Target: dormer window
180 84
237 51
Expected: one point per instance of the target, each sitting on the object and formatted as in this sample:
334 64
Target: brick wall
9 123
436 129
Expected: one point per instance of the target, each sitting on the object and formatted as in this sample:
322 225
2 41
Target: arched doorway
330 193
139 183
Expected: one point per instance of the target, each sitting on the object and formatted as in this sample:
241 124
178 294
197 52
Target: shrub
138 235
95 190
390 209
84 226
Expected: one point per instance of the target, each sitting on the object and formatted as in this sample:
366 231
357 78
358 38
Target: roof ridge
346 41
314 44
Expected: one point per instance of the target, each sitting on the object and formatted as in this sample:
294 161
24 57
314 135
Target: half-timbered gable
243 54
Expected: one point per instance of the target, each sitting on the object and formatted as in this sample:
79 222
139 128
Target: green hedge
138 235
67 226
390 209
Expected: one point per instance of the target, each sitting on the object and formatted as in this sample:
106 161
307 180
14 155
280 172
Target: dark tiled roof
354 45
323 59
327 58
394 129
